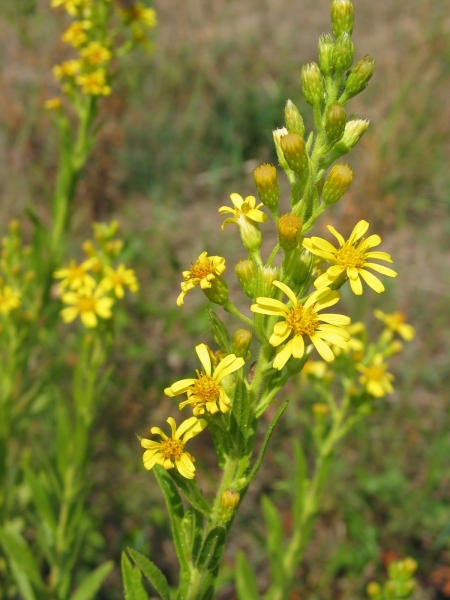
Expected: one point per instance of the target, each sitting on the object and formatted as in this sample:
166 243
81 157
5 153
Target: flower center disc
201 269
86 304
349 256
206 388
375 373
171 448
302 320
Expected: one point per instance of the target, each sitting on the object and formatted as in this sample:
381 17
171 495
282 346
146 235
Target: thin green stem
233 310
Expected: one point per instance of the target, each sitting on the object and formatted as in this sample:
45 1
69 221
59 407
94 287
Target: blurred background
183 129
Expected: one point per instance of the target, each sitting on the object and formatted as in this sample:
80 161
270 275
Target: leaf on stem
240 417
211 550
23 562
132 580
245 579
92 583
220 332
274 541
153 574
191 492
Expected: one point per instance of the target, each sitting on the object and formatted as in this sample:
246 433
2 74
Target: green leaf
176 514
245 579
191 492
41 500
262 452
192 529
22 581
19 552
274 541
211 550
153 574
300 477
132 580
240 417
92 583
219 331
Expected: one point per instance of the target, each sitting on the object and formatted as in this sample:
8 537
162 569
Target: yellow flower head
75 34
354 344
94 83
95 54
9 299
243 209
202 272
375 379
53 104
316 369
205 392
75 276
69 68
395 323
73 7
88 304
350 259
117 279
141 14
171 449
303 320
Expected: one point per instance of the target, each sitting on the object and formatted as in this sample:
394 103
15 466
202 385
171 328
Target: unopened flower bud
326 53
266 183
250 233
241 342
410 565
218 292
268 274
342 17
295 153
335 122
289 231
359 76
114 247
337 182
344 52
88 248
320 409
353 132
14 226
312 84
293 119
245 272
230 499
277 135
373 589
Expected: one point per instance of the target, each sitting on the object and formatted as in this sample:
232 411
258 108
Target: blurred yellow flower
171 449
317 369
354 344
88 304
202 273
72 6
9 299
395 322
52 104
350 259
76 276
205 392
94 83
69 68
140 13
304 320
75 34
95 53
243 209
117 279
375 379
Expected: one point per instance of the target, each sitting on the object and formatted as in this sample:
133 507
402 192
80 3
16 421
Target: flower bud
250 233
245 272
295 153
241 342
230 499
312 84
342 17
335 123
277 135
268 274
373 589
410 565
266 183
344 53
14 226
289 231
320 409
337 182
359 76
218 292
294 120
88 248
326 53
353 132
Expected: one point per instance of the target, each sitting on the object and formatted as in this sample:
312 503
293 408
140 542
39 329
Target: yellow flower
52 104
94 83
9 299
72 6
171 449
350 259
243 209
95 53
69 68
317 369
118 279
375 379
354 344
75 34
140 13
303 320
76 276
88 304
202 272
205 392
395 322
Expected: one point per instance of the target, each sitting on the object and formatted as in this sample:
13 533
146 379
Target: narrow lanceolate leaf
191 492
240 417
25 565
176 514
41 500
211 550
219 331
89 587
274 540
153 574
132 580
245 579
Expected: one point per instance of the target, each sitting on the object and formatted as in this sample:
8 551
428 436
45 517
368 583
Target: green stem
232 309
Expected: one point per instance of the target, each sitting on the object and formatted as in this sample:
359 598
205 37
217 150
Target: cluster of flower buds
400 584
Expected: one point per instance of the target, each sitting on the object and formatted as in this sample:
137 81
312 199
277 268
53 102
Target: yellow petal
337 235
190 428
237 200
205 359
322 348
185 466
179 387
89 319
283 356
173 426
379 256
287 290
356 285
372 281
150 459
381 269
298 346
358 231
228 365
323 245
69 314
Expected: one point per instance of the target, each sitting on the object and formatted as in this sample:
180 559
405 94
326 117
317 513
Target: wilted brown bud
289 231
337 182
